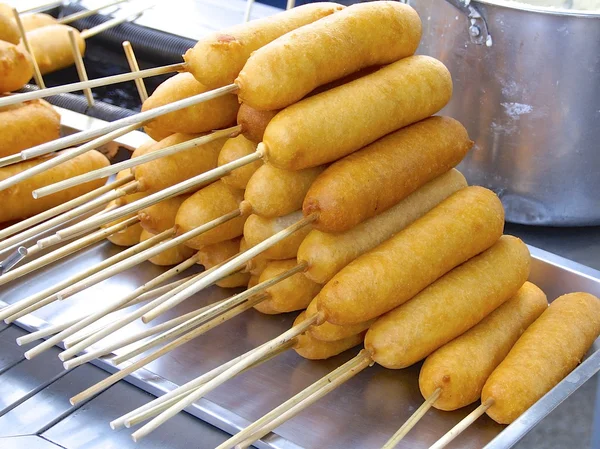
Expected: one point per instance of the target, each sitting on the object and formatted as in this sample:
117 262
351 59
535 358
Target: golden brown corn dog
327 253
26 125
18 202
217 59
171 256
16 68
8 30
273 192
332 332
170 170
127 237
214 254
139 151
214 114
161 216
207 204
254 122
363 35
52 47
385 172
233 149
256 265
37 20
546 352
461 226
257 229
460 368
450 306
326 127
313 349
289 295
6 10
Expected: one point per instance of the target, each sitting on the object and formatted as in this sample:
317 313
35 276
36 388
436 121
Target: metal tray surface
363 413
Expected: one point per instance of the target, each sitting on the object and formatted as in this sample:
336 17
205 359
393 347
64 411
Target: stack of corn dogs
330 190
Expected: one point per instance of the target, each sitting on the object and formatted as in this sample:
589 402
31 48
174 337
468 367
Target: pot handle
478 30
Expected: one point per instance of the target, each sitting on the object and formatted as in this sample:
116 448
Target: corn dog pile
261 168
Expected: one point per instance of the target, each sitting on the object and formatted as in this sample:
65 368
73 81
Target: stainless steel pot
527 88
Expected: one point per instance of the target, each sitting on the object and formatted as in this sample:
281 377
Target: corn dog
170 170
161 216
450 306
273 192
26 125
214 114
16 68
18 201
233 149
8 30
546 352
284 71
460 368
213 201
256 265
333 332
326 127
214 254
127 237
257 229
289 295
37 20
254 122
171 256
217 59
377 177
328 253
461 226
52 48
313 349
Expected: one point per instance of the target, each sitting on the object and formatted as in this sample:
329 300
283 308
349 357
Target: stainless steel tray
363 413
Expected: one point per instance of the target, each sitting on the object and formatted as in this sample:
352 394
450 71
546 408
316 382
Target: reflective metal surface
362 413
531 103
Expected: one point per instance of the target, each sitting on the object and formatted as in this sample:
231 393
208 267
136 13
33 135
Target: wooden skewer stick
24 303
210 313
63 157
134 66
83 14
235 369
86 34
91 84
161 403
80 66
204 328
56 328
413 420
462 425
54 212
115 168
308 397
169 192
63 252
148 253
248 11
135 337
290 4
113 195
93 329
92 280
315 387
65 355
135 418
229 267
37 75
